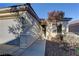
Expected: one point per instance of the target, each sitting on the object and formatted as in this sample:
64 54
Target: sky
42 9
70 10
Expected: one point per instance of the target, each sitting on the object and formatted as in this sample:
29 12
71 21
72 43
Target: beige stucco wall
4 30
30 34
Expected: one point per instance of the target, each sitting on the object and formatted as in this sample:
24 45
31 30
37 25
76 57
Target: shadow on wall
15 42
16 30
19 27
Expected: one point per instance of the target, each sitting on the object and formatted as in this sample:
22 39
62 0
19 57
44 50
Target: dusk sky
42 9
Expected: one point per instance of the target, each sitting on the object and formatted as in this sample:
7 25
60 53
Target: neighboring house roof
73 22
66 19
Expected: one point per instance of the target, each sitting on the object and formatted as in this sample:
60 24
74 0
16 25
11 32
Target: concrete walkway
36 49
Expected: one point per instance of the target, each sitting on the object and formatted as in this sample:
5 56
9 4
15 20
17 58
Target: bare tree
55 17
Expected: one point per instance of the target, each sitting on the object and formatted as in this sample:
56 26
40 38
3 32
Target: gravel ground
58 49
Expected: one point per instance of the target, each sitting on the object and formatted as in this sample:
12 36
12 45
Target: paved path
36 49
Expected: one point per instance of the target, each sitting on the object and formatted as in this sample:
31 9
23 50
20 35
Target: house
74 27
20 31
